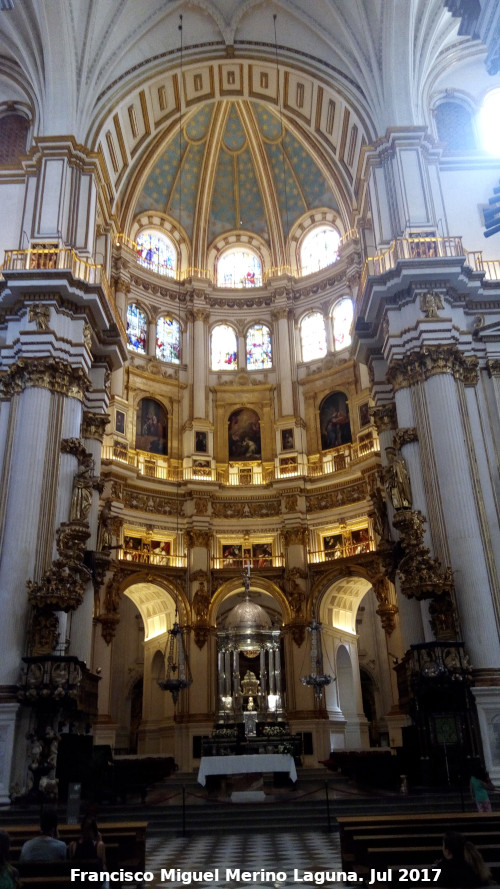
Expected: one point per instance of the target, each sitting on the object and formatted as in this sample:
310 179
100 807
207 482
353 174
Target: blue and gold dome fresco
247 141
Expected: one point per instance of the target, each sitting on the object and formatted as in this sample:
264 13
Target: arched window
319 248
157 252
313 336
259 354
136 328
224 350
489 121
168 340
342 320
13 137
454 126
239 267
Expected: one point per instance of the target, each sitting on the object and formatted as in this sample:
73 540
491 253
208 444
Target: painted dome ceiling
254 169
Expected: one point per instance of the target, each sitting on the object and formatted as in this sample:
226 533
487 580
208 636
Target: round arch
156 602
266 588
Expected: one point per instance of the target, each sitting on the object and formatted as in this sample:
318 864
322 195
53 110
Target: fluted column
283 357
200 363
122 290
463 531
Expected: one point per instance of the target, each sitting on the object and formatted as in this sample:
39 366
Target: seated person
456 872
45 847
89 846
8 874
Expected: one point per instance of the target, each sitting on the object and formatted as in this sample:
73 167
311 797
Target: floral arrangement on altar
224 734
274 731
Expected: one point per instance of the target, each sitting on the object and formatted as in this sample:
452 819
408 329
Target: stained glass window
259 352
489 122
239 268
156 252
320 248
224 348
136 328
168 339
313 336
342 320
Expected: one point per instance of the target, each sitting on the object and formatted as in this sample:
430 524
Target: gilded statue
397 481
83 483
104 539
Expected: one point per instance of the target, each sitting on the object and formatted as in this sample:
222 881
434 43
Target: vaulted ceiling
235 165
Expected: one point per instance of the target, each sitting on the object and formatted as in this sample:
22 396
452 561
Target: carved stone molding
432 360
298 633
201 505
94 425
121 285
228 509
405 436
386 610
384 417
76 447
62 586
340 496
45 373
148 502
201 634
109 624
421 576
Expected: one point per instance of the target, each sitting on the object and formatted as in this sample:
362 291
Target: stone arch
260 585
156 602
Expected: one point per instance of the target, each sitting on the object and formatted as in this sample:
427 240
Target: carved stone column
283 357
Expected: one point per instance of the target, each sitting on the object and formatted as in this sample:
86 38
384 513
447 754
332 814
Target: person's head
48 822
4 846
474 858
89 828
453 846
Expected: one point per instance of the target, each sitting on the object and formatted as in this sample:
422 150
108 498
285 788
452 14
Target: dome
248 615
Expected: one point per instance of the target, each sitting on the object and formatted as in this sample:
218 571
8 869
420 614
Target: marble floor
278 854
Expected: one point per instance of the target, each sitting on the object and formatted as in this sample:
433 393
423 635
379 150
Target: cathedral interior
250 378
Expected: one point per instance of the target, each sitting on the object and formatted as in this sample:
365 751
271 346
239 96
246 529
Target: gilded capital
201 315
493 365
94 425
430 361
295 536
195 537
384 417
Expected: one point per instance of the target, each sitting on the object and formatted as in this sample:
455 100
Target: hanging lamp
316 678
177 674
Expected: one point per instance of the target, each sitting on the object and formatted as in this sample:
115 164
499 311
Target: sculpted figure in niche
83 483
104 540
201 602
397 481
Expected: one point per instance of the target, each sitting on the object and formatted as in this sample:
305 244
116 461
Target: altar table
246 763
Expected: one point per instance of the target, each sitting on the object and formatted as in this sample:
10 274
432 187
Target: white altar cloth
246 763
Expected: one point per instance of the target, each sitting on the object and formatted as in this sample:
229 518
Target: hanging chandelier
316 678
177 675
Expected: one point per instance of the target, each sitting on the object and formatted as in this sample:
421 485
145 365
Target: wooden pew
125 841
387 842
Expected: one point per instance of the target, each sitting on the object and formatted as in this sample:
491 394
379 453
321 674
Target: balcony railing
342 551
429 248
411 248
331 462
146 557
63 259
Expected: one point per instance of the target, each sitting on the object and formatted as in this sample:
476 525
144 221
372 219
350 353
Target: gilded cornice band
45 373
429 361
